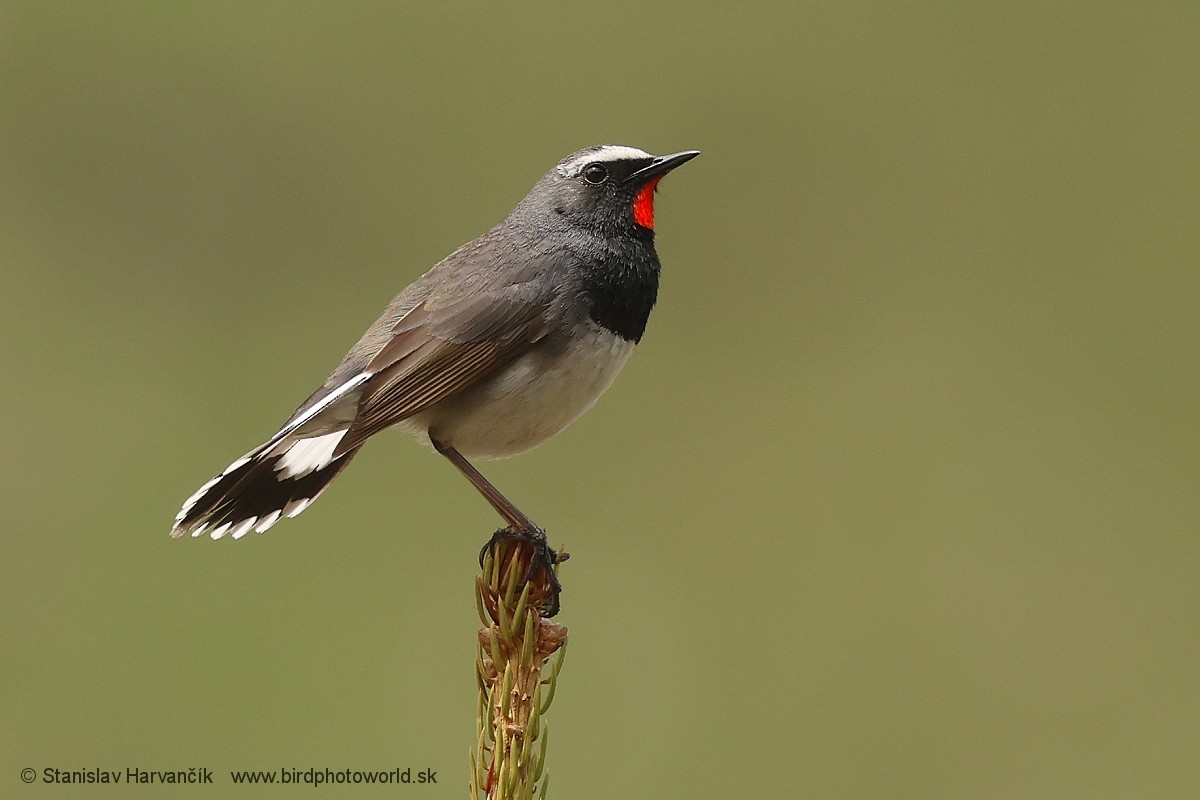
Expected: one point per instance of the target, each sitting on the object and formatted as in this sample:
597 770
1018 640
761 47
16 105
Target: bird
497 348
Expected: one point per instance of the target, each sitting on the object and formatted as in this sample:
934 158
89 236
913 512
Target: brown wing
438 349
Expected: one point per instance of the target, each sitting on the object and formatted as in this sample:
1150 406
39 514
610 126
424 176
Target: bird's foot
543 556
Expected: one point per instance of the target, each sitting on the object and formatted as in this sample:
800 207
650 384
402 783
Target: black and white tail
281 477
276 480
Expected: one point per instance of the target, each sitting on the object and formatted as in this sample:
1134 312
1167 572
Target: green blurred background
897 499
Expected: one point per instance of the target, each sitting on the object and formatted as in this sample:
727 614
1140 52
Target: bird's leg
520 527
515 518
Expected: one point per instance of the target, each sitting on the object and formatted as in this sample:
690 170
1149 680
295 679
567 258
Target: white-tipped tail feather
294 508
257 491
278 479
307 455
266 522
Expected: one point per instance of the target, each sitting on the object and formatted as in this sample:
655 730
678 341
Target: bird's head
606 187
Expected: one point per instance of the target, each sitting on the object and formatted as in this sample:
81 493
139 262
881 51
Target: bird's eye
595 174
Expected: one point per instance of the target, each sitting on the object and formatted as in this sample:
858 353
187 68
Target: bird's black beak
661 166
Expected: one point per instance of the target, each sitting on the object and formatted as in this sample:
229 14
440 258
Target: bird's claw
543 556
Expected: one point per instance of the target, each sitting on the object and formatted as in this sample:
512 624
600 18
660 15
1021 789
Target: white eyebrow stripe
609 152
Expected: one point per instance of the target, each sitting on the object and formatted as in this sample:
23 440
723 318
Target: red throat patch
643 205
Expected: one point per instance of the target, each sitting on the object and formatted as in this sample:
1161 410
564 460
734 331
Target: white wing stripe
322 404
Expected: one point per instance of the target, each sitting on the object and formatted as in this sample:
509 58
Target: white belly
528 401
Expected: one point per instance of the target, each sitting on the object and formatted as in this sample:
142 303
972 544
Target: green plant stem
516 685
